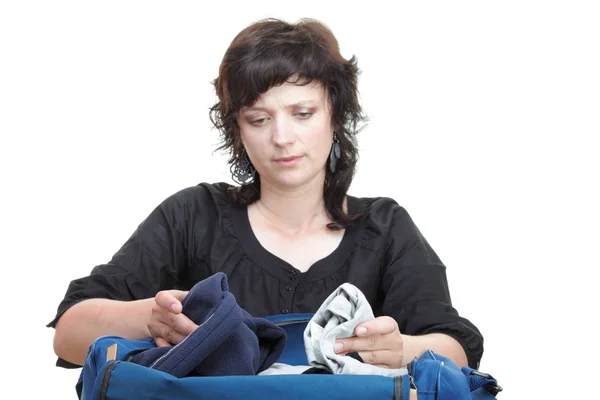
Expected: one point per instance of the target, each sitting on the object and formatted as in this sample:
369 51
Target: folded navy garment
228 340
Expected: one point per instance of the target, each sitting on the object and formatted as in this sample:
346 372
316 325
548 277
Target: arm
118 298
415 346
159 317
417 296
81 324
379 342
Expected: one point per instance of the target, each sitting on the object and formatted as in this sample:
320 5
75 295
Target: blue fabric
438 378
228 340
132 382
483 386
435 376
294 325
96 361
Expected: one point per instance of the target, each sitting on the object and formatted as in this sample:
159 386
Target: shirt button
288 288
285 311
293 278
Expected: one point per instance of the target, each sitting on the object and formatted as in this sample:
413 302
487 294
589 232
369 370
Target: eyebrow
303 103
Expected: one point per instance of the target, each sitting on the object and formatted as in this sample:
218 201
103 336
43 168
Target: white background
484 124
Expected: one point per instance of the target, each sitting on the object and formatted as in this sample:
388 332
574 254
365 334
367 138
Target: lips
285 159
288 161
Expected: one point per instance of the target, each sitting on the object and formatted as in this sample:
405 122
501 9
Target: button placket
289 288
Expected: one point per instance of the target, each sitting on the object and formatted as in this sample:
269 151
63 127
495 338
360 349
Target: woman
289 235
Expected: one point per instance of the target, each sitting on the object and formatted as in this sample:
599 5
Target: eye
258 122
304 115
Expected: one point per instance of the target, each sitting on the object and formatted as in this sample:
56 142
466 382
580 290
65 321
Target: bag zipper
411 369
106 378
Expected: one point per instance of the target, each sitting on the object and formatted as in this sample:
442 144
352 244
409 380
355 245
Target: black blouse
199 231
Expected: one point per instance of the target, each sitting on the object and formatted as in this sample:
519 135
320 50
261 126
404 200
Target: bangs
265 72
261 66
269 53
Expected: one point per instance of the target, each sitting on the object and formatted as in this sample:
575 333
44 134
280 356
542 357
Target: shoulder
386 223
204 198
393 228
201 194
383 212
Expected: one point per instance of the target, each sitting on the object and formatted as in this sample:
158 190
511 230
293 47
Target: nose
283 132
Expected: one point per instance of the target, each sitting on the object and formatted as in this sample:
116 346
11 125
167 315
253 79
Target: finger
384 358
371 342
168 300
160 342
182 324
378 326
172 336
179 294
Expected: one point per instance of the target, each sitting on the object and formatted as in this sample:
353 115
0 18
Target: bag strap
285 319
483 386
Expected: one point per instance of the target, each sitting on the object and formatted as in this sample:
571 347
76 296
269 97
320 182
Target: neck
295 211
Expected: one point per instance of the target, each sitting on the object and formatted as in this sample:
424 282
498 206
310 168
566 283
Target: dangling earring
334 154
242 170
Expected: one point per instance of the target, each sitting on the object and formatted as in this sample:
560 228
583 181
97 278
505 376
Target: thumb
177 305
179 295
171 300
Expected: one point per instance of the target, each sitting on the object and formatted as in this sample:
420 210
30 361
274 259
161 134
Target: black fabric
198 232
327 371
356 356
317 371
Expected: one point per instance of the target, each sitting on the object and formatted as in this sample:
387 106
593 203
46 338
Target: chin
292 180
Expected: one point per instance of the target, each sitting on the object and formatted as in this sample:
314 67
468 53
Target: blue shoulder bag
109 374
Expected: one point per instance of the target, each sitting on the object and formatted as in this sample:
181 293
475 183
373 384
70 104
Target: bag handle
481 384
285 319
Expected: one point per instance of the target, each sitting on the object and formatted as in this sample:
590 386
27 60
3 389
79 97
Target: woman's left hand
378 342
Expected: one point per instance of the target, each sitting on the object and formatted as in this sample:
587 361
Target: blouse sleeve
151 260
416 292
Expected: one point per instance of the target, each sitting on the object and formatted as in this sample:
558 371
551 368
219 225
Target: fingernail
174 307
338 346
361 331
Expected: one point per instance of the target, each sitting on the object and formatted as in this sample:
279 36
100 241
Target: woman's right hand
167 325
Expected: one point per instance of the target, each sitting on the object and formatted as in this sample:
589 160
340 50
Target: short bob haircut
269 53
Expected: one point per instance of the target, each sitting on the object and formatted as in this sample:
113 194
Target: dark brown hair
268 53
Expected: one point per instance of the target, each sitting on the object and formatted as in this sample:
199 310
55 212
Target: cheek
322 142
249 142
319 138
257 151
326 145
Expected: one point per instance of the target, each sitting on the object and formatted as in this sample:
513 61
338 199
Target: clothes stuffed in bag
228 340
338 316
287 369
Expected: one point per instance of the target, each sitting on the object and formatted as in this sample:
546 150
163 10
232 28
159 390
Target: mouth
288 161
285 159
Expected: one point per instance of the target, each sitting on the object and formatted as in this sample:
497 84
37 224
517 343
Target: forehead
290 93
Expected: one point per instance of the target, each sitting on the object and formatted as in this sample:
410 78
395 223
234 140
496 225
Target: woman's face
288 133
